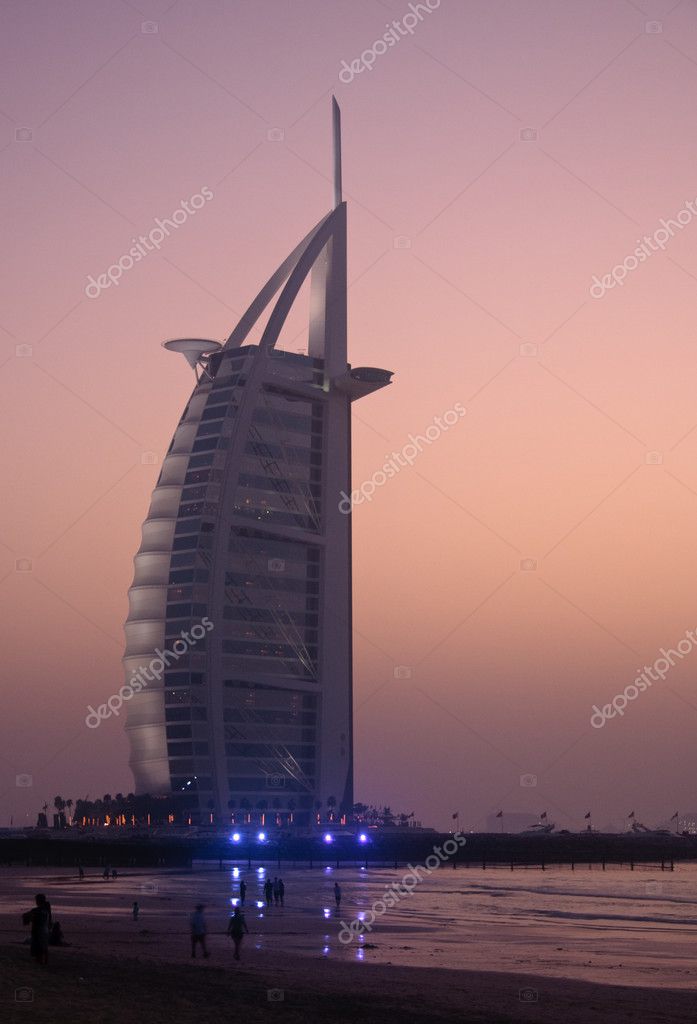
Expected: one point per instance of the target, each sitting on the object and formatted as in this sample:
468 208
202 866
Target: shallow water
627 927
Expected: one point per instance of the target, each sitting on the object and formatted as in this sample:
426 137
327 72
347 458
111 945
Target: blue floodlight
328 837
236 837
261 837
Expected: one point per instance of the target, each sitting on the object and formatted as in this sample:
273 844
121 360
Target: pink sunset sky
497 161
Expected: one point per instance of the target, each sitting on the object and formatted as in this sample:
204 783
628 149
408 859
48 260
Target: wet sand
464 947
78 988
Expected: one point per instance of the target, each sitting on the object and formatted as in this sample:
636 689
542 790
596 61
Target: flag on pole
587 815
631 815
500 814
543 815
675 817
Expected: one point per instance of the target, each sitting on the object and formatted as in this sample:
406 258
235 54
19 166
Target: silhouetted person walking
39 917
268 892
236 929
198 931
276 892
281 890
337 894
243 892
135 910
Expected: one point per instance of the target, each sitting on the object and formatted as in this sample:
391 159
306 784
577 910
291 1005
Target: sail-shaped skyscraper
246 532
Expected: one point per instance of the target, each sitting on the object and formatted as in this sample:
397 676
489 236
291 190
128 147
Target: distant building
247 533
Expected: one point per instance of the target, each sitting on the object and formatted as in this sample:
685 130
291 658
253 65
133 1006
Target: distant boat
540 828
642 830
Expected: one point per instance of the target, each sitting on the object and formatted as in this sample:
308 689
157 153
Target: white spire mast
336 132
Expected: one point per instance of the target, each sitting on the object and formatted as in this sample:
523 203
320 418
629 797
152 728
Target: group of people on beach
45 931
236 929
274 892
107 873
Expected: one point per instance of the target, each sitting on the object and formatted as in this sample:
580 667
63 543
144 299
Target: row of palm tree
105 805
141 808
61 806
370 815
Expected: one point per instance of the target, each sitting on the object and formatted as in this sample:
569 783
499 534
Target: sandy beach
469 946
120 988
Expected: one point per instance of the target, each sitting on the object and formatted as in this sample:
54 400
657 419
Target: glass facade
262 454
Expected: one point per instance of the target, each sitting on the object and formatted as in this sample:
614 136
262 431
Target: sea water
615 926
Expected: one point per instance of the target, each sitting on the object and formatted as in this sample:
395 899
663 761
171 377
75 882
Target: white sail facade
245 532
